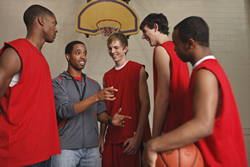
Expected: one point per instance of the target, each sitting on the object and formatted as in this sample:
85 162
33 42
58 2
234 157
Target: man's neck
162 38
34 41
121 62
75 73
199 54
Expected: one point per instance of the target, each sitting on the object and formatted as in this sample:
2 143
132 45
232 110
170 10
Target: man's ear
67 56
191 43
126 49
156 27
40 20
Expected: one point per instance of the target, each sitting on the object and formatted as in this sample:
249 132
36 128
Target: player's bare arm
161 102
204 107
10 64
133 143
104 94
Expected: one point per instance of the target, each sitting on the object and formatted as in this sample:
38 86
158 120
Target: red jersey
28 127
225 147
177 87
126 80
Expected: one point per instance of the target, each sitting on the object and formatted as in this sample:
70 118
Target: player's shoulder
12 45
20 43
161 54
91 80
135 64
109 71
57 81
63 77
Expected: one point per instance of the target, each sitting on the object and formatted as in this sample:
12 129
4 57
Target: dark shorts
46 163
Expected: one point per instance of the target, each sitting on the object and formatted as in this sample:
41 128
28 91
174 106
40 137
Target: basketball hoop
108 27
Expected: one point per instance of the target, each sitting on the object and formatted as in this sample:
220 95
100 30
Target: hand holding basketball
182 157
149 157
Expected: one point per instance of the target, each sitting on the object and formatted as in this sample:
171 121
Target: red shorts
113 156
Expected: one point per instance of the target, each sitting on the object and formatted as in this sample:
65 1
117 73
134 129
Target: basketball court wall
229 39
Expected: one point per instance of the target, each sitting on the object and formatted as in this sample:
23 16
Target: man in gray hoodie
79 105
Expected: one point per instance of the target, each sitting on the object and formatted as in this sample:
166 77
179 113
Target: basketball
188 156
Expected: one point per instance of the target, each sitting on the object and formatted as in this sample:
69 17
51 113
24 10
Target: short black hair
195 28
159 19
33 12
69 47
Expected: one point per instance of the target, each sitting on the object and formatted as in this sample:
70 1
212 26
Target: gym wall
229 22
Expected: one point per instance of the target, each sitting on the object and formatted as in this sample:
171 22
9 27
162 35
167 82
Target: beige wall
228 20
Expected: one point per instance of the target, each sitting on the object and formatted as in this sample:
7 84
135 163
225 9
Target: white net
108 27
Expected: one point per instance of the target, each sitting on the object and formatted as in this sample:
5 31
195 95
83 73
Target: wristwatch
110 120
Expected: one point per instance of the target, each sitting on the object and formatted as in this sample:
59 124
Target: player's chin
50 41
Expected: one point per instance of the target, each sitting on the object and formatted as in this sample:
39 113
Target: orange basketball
182 157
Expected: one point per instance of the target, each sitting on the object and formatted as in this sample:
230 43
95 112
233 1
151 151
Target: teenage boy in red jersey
171 75
28 128
211 118
122 144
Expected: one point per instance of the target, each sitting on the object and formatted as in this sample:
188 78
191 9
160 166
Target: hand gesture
118 120
149 157
107 94
133 145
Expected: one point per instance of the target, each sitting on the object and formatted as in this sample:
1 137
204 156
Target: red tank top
28 128
177 89
225 147
126 80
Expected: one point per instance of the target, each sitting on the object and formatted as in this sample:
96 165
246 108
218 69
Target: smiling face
149 35
78 57
49 29
117 52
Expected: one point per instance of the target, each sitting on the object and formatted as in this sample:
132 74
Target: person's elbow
207 129
162 97
66 111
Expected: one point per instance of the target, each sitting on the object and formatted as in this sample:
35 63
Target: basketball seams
179 157
195 156
189 155
163 160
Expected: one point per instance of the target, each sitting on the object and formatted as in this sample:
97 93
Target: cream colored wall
229 39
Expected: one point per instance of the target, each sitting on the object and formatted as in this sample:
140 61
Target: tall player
211 117
171 75
28 128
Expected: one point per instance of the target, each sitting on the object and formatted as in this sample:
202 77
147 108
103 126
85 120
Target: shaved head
33 12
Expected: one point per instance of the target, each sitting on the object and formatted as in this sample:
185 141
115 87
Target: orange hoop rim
107 29
107 20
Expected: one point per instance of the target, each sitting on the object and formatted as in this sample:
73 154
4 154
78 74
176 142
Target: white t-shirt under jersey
15 79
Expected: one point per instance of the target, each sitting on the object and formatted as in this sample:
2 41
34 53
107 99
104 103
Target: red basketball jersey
177 89
28 127
225 147
126 80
